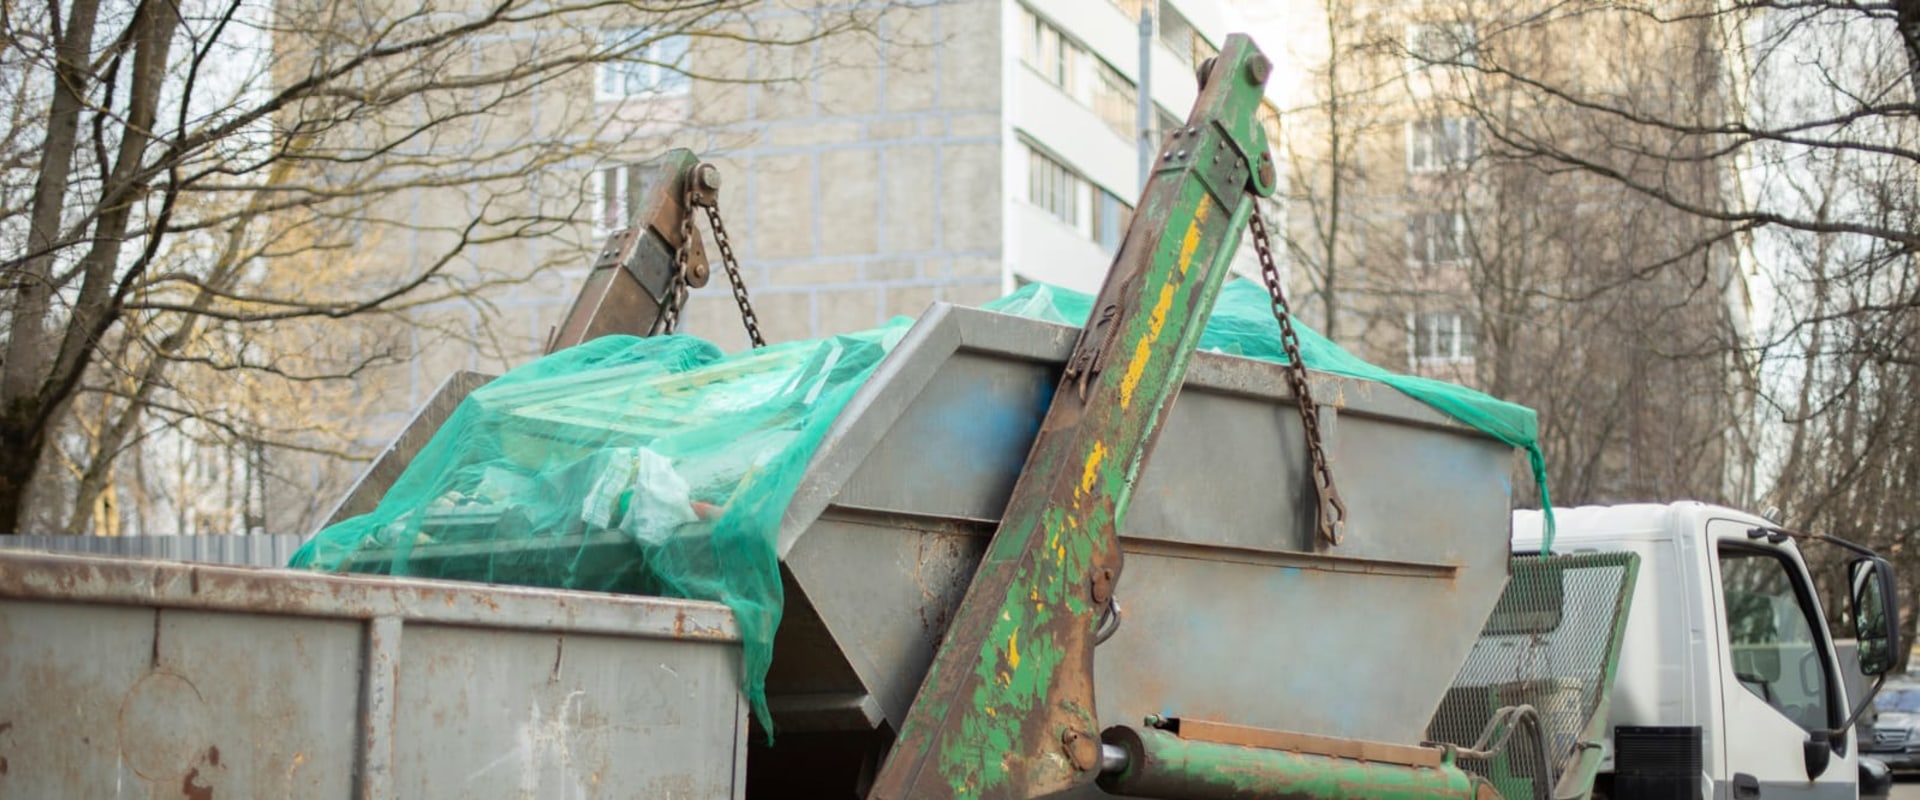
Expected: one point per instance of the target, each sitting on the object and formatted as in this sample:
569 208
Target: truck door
1778 678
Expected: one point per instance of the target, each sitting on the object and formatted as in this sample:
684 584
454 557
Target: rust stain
213 755
192 790
5 726
3 765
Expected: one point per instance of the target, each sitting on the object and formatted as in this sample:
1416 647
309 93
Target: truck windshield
1905 699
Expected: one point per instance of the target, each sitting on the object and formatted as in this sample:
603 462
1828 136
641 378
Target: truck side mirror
1818 752
1876 613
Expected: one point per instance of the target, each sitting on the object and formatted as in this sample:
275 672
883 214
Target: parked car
1896 731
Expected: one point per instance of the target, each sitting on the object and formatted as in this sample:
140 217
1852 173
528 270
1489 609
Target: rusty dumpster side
149 679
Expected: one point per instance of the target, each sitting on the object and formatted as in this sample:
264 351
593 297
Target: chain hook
1331 524
1109 624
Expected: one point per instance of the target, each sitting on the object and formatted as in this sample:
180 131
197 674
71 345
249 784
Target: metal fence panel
262 550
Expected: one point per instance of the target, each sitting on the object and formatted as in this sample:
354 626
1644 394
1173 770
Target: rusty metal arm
637 286
640 279
1007 708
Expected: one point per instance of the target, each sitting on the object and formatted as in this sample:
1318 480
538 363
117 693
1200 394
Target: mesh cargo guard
1552 642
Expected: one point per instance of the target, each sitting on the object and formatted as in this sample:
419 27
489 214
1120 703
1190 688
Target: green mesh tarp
662 466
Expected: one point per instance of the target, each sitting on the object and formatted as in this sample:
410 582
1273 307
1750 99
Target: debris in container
658 499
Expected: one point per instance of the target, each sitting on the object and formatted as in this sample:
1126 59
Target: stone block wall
868 185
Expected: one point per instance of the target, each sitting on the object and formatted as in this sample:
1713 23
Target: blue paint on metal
975 430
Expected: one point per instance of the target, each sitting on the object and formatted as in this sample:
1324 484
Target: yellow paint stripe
1143 349
1092 470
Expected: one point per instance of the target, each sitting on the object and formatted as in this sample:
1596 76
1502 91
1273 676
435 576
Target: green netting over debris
662 466
1242 325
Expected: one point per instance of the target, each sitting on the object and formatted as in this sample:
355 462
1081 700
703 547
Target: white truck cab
1727 684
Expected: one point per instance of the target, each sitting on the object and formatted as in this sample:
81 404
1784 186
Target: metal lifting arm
637 286
1007 709
640 278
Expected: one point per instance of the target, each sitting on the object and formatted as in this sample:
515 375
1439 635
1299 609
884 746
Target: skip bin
137 679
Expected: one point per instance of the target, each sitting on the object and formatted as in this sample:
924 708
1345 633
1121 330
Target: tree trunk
1329 265
26 355
31 400
1908 15
98 476
25 441
23 407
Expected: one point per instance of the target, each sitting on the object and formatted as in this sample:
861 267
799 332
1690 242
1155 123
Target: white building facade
1072 135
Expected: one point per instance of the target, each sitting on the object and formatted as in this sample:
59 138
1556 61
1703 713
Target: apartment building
1001 147
954 152
975 147
1424 244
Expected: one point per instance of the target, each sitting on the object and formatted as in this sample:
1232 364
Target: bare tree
195 197
1789 150
1606 311
1468 261
1324 167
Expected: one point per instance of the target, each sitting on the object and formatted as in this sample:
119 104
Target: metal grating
1551 643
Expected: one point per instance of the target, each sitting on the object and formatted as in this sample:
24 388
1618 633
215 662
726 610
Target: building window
1442 143
1437 238
1050 185
1051 54
1079 73
1110 218
640 65
1182 38
613 200
1059 190
1443 337
1203 49
1443 43
1175 32
1167 121
1114 99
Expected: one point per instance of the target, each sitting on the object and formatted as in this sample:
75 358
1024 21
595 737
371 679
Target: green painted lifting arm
1160 764
1007 708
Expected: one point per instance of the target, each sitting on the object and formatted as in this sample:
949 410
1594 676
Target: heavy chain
1332 517
677 283
733 276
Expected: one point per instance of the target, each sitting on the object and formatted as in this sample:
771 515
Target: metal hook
1110 619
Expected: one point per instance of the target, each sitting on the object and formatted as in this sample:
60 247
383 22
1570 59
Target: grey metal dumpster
1231 613
125 679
